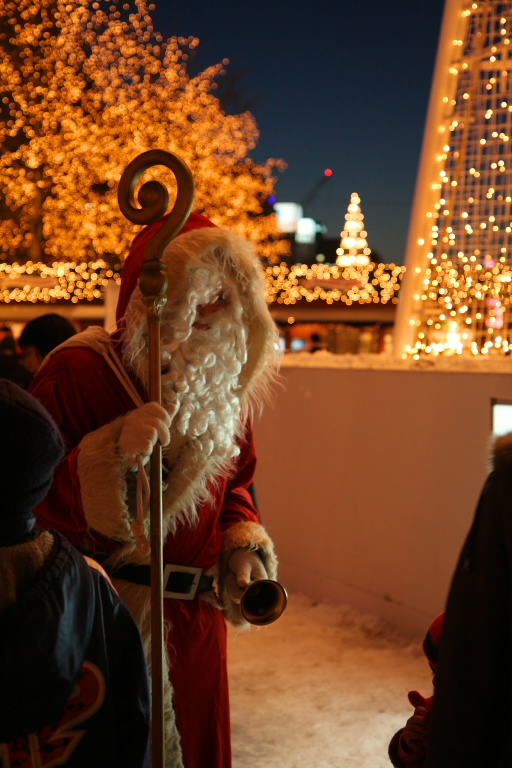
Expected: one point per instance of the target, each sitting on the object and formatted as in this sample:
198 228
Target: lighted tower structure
456 296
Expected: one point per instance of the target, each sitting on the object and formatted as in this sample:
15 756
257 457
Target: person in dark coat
471 718
41 335
11 366
74 682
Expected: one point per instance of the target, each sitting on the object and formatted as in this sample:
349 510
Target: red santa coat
82 394
80 388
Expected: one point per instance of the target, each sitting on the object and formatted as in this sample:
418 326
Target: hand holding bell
244 567
261 599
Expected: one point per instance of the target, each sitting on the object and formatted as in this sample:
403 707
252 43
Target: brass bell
263 601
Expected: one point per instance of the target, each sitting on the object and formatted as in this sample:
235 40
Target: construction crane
316 188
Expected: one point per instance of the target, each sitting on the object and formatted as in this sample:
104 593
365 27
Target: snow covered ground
323 687
493 363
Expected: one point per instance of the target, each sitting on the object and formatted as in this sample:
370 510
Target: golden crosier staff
153 199
264 601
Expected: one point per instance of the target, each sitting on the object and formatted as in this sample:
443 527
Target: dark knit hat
30 447
432 640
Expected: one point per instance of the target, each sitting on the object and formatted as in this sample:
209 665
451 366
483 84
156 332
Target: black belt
179 581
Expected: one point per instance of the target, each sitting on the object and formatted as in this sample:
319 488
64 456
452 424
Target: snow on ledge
452 364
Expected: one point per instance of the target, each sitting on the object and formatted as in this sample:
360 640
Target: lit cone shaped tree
353 250
457 292
84 88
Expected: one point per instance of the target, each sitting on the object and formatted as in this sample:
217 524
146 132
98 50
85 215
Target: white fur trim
102 472
138 599
251 536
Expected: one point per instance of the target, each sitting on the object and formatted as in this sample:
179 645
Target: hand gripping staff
153 199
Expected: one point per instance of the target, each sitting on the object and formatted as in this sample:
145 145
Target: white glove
244 567
142 428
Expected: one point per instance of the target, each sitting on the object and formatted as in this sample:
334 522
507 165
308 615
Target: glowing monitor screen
501 417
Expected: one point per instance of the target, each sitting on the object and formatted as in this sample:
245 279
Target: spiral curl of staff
153 199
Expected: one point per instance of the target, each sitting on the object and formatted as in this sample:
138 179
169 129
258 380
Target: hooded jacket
74 684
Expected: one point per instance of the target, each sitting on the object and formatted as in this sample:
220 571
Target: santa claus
218 356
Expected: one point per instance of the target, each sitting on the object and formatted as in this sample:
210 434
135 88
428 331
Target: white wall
368 480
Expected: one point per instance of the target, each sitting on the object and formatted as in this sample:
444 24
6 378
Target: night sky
332 84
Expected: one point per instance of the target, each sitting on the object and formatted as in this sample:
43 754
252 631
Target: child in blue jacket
75 687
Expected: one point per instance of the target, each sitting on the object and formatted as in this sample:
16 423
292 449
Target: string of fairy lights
64 281
464 302
87 281
371 283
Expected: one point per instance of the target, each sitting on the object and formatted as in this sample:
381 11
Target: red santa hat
132 266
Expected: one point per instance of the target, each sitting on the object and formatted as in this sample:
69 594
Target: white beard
201 371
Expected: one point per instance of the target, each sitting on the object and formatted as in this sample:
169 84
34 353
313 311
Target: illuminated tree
457 293
84 88
353 250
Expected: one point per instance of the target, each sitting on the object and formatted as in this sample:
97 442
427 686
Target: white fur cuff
253 536
102 471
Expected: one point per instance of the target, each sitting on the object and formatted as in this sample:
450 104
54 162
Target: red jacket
83 394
